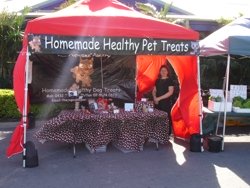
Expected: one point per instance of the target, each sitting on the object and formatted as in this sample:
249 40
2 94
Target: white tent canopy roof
233 38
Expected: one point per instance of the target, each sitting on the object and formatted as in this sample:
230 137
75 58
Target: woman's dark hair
166 67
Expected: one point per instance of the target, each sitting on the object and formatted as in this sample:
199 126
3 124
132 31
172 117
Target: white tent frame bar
25 106
226 99
200 100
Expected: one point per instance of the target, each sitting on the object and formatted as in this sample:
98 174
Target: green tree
66 4
151 10
224 21
11 33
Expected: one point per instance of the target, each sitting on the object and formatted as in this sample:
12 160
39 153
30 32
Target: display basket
241 110
219 106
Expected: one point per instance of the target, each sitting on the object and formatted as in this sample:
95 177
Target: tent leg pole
226 99
200 100
25 108
219 115
136 87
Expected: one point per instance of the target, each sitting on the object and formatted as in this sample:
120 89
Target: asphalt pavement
172 166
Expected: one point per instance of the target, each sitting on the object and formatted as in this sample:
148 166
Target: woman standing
162 92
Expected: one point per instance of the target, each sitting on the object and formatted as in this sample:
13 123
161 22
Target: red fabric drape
16 142
147 71
185 113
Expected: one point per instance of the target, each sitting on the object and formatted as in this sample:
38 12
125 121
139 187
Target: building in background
42 7
204 25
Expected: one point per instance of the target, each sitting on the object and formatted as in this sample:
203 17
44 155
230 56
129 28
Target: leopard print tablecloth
128 130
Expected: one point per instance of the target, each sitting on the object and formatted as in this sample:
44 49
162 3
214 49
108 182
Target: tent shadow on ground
149 168
222 169
196 170
236 168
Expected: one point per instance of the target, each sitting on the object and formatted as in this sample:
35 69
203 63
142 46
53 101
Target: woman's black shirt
161 89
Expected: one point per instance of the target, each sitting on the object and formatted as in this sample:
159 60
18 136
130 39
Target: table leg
74 144
153 140
157 145
74 150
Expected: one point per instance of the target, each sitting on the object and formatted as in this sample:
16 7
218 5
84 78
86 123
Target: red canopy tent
158 41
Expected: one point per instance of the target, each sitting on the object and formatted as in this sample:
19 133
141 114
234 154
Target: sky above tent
16 6
213 9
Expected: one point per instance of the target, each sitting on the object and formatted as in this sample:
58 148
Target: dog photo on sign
83 71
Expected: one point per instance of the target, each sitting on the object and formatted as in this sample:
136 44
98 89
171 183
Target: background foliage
8 104
9 108
213 71
11 32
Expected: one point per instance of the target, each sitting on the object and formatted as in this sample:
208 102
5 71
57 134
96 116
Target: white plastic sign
238 90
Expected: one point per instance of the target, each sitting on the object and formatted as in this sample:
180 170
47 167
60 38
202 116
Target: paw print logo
195 47
35 44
